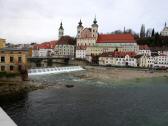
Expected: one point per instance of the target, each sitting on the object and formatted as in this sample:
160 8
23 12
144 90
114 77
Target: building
2 43
81 52
12 60
164 32
161 61
146 61
144 50
118 59
65 47
86 36
124 41
45 49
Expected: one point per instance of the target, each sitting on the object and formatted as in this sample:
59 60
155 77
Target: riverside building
12 60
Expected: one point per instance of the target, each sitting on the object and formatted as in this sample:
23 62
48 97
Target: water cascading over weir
54 70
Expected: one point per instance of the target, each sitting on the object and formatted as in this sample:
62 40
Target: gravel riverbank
117 74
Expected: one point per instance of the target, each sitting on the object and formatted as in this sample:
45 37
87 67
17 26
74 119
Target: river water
139 102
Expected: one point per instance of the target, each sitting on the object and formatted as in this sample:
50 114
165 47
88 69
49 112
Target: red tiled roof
118 54
67 40
115 38
144 47
46 45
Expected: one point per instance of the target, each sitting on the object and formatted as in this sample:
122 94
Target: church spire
95 21
60 31
61 27
80 23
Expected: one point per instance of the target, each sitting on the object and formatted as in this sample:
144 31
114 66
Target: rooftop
115 38
66 40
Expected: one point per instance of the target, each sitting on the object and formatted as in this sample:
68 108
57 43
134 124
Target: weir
54 70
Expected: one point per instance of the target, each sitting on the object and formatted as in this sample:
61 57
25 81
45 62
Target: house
81 52
12 60
65 47
44 49
161 61
146 61
118 59
144 50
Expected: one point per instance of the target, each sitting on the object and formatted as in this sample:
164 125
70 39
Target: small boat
69 85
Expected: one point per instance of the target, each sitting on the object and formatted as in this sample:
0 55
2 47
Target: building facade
2 43
86 36
144 50
45 49
12 60
164 32
65 47
118 59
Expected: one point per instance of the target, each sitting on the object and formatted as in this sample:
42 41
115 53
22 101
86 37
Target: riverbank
117 74
9 88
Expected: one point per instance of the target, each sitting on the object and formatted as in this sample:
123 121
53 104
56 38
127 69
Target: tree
153 32
142 31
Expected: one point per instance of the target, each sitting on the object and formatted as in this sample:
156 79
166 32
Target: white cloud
38 20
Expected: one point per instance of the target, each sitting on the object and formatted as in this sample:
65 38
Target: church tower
95 28
61 31
79 29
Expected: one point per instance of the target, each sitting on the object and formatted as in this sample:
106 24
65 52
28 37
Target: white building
44 49
161 61
81 52
164 32
65 47
86 37
118 59
144 50
145 61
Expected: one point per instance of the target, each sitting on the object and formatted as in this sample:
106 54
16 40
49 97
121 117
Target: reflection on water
93 103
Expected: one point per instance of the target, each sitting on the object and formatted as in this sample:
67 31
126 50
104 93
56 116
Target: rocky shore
117 74
8 88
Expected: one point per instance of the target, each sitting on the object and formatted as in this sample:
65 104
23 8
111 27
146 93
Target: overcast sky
39 20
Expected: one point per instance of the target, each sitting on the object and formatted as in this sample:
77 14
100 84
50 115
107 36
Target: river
139 102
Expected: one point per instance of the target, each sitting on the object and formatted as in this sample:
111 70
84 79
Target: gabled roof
46 45
66 40
115 38
144 47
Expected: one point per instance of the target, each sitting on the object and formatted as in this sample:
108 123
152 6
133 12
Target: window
11 59
19 59
11 68
2 68
2 59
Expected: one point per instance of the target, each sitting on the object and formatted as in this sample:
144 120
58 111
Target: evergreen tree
153 32
142 31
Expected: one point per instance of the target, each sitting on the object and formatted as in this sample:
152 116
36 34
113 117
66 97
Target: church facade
164 32
86 37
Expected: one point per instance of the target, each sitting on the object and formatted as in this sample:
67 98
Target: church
164 32
85 37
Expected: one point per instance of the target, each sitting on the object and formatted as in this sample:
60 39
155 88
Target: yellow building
12 60
2 43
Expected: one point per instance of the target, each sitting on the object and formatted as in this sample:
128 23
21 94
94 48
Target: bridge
47 61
